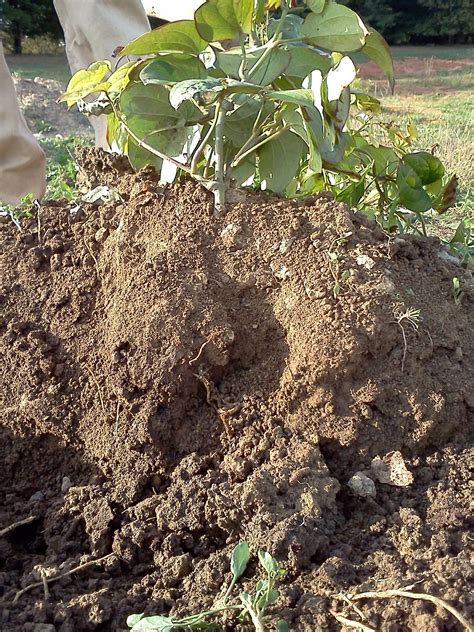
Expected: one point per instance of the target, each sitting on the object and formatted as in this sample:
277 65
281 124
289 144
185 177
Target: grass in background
440 102
45 66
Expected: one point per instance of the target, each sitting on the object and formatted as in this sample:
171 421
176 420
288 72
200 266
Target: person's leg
22 161
93 30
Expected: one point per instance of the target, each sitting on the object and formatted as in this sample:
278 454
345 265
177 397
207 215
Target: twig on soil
19 523
50 580
388 594
44 579
352 624
117 415
203 346
353 606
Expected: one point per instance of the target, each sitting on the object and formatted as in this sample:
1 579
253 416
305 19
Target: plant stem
149 148
202 145
243 63
267 139
219 192
256 620
273 43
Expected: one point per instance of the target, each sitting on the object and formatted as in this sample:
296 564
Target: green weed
250 606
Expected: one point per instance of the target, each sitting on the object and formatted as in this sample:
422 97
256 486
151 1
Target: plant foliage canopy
239 96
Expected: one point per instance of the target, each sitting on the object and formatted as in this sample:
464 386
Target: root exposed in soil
172 383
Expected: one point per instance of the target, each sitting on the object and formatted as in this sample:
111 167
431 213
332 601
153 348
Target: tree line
400 21
419 21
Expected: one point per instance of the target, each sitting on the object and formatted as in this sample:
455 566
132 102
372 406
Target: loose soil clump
173 383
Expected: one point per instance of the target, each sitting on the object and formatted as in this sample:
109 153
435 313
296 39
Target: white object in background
172 11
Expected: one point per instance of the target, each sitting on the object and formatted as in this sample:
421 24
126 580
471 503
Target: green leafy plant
239 96
251 606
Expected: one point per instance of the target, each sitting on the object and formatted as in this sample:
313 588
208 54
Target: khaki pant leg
93 29
22 161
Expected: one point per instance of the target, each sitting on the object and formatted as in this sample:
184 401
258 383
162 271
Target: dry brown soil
44 115
172 383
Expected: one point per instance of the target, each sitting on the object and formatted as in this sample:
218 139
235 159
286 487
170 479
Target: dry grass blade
388 594
352 624
50 580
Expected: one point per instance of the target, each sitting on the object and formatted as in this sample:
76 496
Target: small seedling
251 606
334 257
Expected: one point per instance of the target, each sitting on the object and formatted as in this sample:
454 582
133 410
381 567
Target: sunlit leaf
239 559
155 623
85 82
220 20
175 37
301 96
337 28
377 49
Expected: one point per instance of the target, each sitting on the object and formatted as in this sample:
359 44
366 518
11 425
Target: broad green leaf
239 559
365 102
427 167
291 28
245 170
85 82
175 37
338 28
246 599
150 116
205 90
385 160
279 160
140 157
274 65
134 618
173 68
411 193
220 20
268 598
304 59
377 49
300 126
155 623
301 96
316 6
240 122
119 79
352 194
268 562
282 626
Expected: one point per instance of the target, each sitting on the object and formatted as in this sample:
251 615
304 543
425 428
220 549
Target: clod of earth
102 355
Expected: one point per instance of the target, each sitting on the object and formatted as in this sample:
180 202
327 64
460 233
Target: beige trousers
22 161
93 29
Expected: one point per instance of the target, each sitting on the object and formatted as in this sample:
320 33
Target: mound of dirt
173 383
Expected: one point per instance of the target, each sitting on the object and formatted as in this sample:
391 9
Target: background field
435 87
